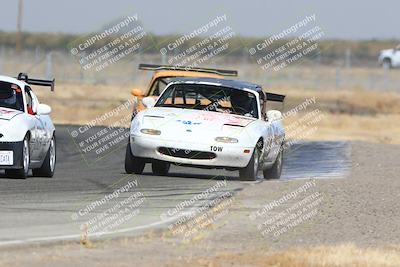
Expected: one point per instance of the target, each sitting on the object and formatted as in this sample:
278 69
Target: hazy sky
347 19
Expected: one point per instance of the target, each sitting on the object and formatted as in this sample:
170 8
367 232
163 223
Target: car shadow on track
3 176
197 176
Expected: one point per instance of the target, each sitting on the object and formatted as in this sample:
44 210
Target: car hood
194 125
7 113
193 117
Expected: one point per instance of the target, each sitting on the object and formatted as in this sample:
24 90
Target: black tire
276 170
133 164
22 173
387 63
49 164
249 173
160 168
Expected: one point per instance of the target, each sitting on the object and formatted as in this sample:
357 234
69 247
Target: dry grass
351 115
88 92
79 104
377 129
335 256
355 101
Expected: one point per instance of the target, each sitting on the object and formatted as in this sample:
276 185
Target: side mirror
274 115
137 92
43 109
148 102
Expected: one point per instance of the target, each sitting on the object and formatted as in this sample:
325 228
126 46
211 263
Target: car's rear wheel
160 168
133 164
249 173
49 163
275 171
23 172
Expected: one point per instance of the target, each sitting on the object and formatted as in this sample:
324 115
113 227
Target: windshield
11 96
159 85
210 98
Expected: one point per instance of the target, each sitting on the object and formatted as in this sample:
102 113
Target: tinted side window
11 96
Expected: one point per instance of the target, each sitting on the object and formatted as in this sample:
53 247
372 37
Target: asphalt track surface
41 209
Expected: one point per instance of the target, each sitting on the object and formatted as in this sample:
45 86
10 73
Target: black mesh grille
188 154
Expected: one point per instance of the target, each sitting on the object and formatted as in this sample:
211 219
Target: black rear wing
24 77
154 67
275 97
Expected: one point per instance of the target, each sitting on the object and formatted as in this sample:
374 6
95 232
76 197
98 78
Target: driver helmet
241 102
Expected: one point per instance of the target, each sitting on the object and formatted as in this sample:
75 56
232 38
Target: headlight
226 140
150 131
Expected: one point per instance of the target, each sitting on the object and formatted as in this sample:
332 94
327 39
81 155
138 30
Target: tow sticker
216 148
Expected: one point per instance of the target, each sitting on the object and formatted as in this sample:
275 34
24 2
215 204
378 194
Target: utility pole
18 45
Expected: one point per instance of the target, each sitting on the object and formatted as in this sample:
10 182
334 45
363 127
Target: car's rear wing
24 77
275 97
154 67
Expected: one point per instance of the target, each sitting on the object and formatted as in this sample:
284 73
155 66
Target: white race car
390 58
208 123
27 134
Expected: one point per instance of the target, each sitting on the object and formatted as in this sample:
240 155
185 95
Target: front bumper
16 147
195 154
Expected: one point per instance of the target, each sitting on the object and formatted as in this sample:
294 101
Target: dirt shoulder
356 221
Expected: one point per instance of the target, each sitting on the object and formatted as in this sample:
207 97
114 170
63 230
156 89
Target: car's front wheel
387 64
49 163
249 173
133 164
23 172
275 171
160 168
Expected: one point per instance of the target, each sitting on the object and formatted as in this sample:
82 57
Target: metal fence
340 75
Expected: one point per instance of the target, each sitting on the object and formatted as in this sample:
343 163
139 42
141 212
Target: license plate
6 158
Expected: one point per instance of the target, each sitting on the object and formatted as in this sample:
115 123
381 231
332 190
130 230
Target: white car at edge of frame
27 134
208 123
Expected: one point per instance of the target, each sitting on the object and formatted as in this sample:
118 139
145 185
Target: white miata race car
208 123
27 139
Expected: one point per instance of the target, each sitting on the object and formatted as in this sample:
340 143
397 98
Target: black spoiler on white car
24 77
275 97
